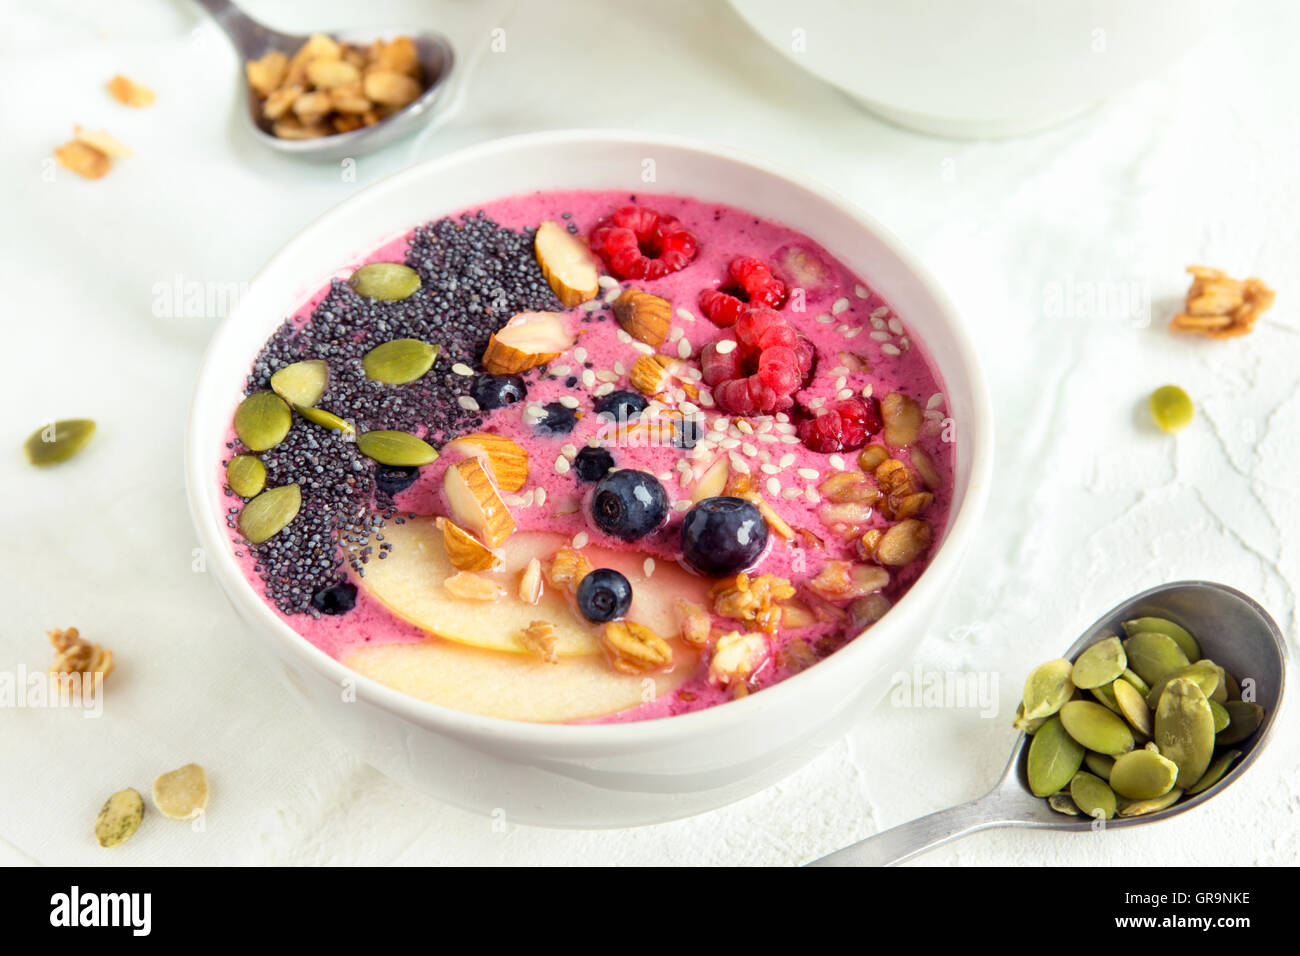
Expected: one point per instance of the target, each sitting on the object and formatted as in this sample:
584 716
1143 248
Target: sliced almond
464 551
473 587
528 340
569 266
643 316
714 480
506 459
648 376
130 93
774 521
475 503
530 582
100 140
83 160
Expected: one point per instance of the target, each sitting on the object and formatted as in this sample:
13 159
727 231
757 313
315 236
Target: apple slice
409 583
527 340
569 266
512 687
475 503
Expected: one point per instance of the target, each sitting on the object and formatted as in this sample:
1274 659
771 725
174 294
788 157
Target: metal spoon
1233 631
252 40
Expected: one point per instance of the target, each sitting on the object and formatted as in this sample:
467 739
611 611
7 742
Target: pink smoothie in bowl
669 453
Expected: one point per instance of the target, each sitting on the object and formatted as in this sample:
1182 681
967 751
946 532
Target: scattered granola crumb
181 793
73 654
1220 307
130 93
539 637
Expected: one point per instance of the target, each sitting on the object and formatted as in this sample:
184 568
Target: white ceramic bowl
977 68
601 775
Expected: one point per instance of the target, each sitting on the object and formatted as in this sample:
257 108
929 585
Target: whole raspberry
841 426
750 284
637 242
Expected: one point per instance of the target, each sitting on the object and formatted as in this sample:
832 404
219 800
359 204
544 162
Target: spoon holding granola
329 97
1128 730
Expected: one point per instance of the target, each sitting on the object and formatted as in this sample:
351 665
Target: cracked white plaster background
1089 502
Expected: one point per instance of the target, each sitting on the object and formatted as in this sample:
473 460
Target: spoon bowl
252 40
1233 631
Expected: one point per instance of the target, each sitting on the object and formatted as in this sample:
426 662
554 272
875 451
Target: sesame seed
607 282
749 449
844 393
769 469
460 368
767 438
790 493
880 336
688 408
840 382
561 465
648 566
840 305
725 347
568 401
773 486
867 390
739 464
568 451
745 426
816 403
853 333
612 294
685 315
580 355
683 505
879 325
836 462
541 497
839 370
588 378
683 349
590 305
904 343
580 540
824 319
623 336
809 473
896 326
861 291
559 371
880 312
811 494
790 439
467 402
603 390
604 375
890 349
787 460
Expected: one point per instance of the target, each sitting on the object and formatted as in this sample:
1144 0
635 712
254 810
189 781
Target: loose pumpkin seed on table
56 442
1158 729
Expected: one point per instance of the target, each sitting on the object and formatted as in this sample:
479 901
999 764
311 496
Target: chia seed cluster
475 275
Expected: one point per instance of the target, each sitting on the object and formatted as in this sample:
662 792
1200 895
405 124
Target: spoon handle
908 839
250 38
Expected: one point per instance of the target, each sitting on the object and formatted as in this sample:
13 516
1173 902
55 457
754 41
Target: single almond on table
569 266
130 93
643 316
506 459
475 503
464 551
473 587
528 340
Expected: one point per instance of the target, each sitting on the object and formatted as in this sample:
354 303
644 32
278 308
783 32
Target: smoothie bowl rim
209 523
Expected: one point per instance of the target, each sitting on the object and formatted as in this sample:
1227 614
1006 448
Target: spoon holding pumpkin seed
1160 706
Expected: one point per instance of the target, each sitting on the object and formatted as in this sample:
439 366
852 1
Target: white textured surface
1090 504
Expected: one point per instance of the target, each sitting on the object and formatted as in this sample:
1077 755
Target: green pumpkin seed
119 818
397 449
1133 707
267 514
1054 758
1221 716
262 420
246 475
1063 803
1139 808
1047 688
1220 692
1184 729
1244 719
1159 625
1100 764
1025 724
1096 728
1153 655
1171 408
386 281
1092 796
302 383
327 420
1106 696
399 361
1100 664
1143 775
1143 687
1205 676
1232 690
1215 772
57 442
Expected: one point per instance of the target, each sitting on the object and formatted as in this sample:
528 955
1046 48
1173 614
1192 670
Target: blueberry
559 420
629 504
604 595
689 431
723 536
336 599
391 479
592 463
621 405
494 391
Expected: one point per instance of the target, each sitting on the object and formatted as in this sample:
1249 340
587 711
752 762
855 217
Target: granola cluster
753 601
73 654
1220 307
